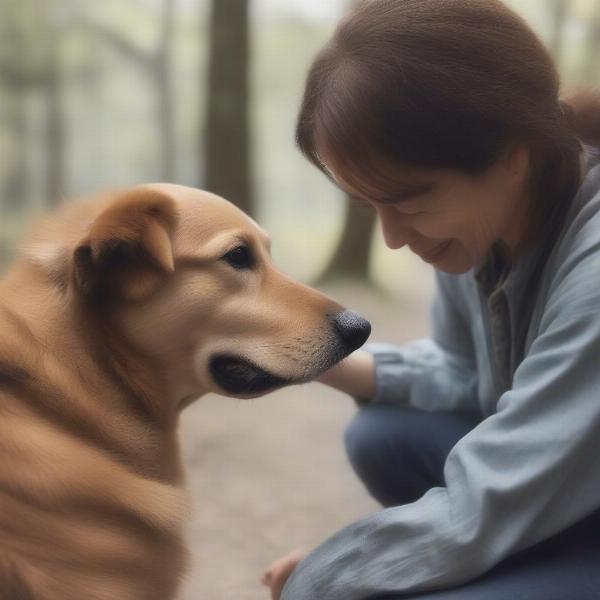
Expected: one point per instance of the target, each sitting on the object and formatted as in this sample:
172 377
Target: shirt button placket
500 334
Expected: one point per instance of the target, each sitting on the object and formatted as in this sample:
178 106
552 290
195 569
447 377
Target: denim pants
399 454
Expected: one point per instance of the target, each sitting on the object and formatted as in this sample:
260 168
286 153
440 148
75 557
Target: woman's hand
277 574
354 375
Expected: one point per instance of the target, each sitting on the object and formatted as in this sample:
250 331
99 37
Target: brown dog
121 310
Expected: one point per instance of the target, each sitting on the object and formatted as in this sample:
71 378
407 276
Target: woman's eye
239 258
410 212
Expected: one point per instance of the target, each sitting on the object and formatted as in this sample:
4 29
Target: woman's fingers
278 573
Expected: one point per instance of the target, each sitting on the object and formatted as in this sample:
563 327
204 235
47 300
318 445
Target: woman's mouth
434 254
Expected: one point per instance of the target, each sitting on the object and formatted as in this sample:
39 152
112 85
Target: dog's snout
352 328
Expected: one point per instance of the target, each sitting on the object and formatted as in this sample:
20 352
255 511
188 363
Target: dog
120 310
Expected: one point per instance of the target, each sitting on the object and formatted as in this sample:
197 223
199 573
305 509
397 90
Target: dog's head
187 279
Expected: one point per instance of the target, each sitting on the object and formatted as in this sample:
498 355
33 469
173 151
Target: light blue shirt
523 348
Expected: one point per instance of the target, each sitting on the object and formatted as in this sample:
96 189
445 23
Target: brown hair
445 84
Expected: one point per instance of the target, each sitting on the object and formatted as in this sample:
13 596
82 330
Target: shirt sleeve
432 374
522 475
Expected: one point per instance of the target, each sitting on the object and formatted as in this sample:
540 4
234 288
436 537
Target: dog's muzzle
238 375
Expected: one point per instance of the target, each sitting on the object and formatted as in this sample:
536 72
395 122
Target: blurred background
205 93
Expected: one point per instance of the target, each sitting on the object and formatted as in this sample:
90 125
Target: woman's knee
362 437
390 450
379 432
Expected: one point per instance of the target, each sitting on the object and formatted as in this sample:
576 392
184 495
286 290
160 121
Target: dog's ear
127 251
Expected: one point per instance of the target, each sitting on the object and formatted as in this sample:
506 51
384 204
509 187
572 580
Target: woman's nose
394 228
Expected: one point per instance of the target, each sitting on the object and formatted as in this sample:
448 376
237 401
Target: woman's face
448 218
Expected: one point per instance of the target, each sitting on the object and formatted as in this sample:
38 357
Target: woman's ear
516 161
127 251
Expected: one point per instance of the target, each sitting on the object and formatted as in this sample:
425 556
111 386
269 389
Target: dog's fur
121 310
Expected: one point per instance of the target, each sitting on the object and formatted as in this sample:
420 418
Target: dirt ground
270 475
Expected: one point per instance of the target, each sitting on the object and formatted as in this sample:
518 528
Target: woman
483 442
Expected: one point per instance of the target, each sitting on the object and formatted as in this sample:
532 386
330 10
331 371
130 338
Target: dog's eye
240 258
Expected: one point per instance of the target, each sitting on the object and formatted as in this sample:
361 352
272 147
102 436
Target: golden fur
108 322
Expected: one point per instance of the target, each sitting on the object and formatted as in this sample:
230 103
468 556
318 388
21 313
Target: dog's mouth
240 376
237 375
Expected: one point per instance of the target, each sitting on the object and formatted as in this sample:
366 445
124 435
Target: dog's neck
76 371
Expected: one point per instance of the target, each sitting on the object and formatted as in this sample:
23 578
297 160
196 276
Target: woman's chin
454 261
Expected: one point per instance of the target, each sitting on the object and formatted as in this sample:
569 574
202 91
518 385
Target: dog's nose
352 328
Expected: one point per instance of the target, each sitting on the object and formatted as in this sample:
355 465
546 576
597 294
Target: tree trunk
592 63
15 188
558 14
157 66
350 260
55 137
16 84
227 125
165 92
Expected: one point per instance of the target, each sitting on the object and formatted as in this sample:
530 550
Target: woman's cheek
436 226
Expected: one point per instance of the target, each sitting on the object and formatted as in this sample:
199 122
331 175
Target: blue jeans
399 454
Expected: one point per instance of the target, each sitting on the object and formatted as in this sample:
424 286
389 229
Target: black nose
352 328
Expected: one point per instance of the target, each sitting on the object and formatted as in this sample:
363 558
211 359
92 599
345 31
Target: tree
350 259
156 65
14 193
558 13
227 120
592 62
52 90
15 83
30 63
166 114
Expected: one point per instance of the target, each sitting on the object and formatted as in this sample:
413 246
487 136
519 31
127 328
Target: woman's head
448 218
457 97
